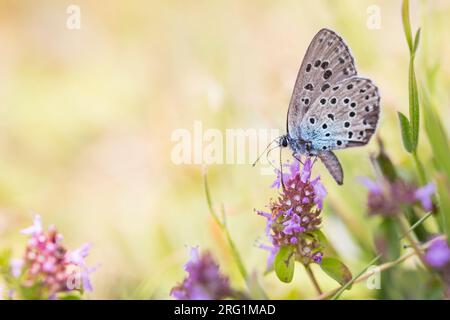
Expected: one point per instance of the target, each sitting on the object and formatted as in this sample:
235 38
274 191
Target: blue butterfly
331 107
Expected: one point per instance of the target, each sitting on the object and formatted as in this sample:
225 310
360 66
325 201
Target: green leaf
412 84
349 283
336 270
407 24
416 40
413 106
69 296
319 235
406 131
284 264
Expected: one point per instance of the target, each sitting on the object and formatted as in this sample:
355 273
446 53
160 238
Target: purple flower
320 192
372 186
16 267
272 253
78 255
277 182
387 198
306 172
48 265
317 257
36 228
424 195
293 225
295 212
294 167
204 281
438 254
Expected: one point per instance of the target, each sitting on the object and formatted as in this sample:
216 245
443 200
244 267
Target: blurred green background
86 118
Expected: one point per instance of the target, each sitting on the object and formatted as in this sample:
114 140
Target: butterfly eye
284 142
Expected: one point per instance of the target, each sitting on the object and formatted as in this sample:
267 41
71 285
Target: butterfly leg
298 159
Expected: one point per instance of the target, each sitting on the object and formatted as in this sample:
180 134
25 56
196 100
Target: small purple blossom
293 225
277 182
424 195
295 212
78 255
372 186
204 281
305 174
317 257
36 228
16 266
272 253
47 263
387 198
438 254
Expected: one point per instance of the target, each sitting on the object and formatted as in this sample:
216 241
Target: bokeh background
86 118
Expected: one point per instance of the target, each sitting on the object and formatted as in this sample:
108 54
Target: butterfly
331 107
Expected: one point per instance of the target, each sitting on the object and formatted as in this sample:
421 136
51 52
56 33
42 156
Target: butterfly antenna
268 158
262 153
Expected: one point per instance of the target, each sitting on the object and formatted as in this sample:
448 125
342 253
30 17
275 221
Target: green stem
363 275
234 251
224 229
418 222
407 234
348 284
313 279
339 291
420 169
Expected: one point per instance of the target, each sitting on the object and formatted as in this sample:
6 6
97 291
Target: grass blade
407 24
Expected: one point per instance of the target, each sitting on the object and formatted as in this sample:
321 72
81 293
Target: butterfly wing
345 115
326 62
333 165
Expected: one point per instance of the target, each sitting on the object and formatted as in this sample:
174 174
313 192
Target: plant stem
335 293
407 235
420 169
418 222
234 251
313 279
224 229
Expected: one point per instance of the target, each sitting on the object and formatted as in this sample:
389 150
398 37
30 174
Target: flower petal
424 196
35 228
372 186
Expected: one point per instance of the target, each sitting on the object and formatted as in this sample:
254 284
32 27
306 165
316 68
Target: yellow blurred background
86 117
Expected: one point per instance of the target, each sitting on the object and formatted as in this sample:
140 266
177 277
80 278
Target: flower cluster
204 281
438 254
387 198
48 267
295 214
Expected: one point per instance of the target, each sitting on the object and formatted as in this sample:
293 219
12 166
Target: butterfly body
331 107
